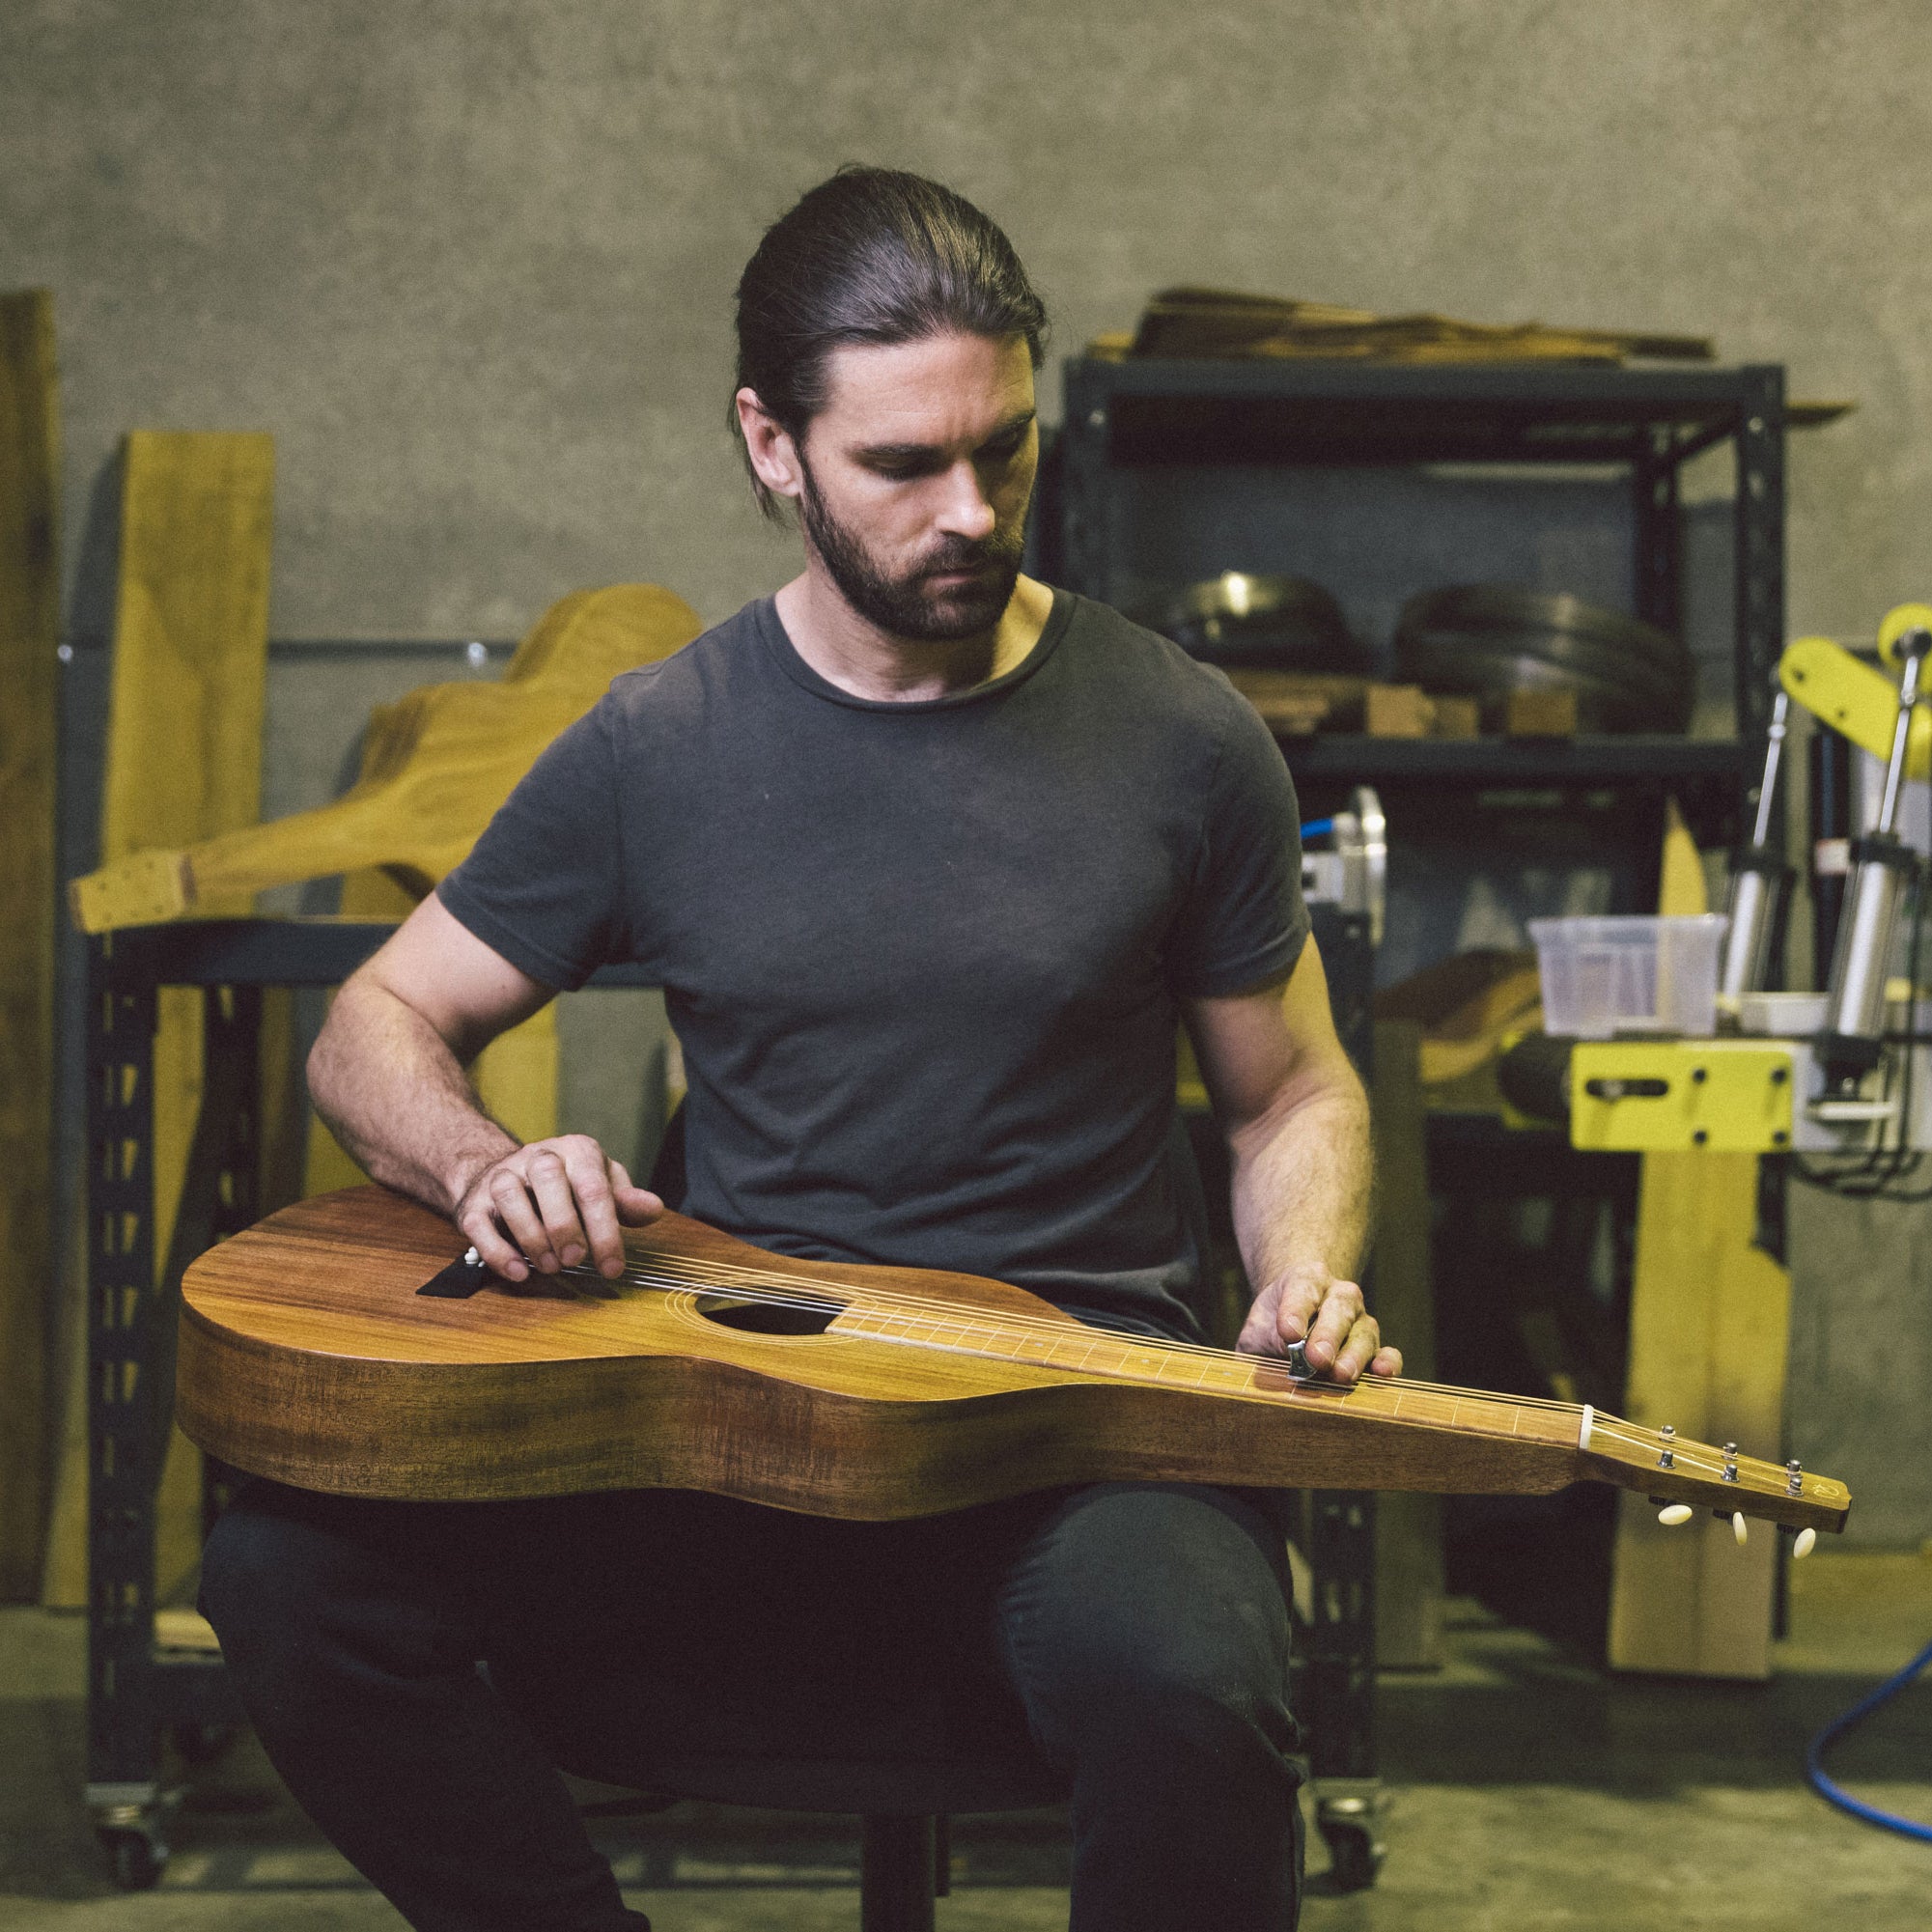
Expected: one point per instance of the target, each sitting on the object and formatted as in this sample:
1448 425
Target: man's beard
907 606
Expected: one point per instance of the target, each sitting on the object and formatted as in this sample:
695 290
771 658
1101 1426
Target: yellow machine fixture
1852 1086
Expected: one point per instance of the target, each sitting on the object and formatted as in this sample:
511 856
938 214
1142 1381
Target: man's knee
297 1596
1156 1616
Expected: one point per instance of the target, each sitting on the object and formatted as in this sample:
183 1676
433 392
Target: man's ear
774 455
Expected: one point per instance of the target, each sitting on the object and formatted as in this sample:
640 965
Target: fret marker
1673 1513
1803 1542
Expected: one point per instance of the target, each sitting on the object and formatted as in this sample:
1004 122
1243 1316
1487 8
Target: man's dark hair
872 255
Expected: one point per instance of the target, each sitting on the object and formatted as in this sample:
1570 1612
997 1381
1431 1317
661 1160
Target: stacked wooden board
29 621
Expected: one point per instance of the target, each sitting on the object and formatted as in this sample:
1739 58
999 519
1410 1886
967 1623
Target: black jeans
1139 1632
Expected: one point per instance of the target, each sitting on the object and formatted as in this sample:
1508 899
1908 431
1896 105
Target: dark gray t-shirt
924 958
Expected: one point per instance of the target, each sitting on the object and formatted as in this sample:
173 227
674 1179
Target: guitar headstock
1659 1463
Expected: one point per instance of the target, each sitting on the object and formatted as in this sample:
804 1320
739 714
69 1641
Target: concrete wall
471 262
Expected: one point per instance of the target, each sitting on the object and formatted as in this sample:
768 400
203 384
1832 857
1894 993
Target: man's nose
965 511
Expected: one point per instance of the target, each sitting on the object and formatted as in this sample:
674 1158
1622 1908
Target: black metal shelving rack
1649 422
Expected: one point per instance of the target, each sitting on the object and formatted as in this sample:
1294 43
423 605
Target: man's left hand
1306 1303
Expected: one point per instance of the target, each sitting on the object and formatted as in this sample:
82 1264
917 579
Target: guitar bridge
460 1280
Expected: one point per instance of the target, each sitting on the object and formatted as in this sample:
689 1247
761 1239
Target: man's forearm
393 1092
1301 1184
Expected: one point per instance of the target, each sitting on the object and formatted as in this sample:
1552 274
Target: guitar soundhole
768 1318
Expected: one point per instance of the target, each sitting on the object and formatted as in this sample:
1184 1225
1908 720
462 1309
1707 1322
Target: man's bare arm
387 1075
1297 1126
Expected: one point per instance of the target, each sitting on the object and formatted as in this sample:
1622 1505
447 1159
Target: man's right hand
551 1204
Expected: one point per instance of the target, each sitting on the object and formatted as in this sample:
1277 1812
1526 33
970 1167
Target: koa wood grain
308 1354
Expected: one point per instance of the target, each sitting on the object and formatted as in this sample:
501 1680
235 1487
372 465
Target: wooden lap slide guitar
344 1344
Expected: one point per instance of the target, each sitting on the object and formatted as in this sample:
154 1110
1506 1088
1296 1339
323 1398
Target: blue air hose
1836 1794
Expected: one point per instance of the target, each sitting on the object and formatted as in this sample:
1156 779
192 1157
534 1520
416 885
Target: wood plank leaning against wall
29 623
184 764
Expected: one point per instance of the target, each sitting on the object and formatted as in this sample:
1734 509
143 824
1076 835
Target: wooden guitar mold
440 761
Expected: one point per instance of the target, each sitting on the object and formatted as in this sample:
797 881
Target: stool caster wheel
137 1857
1351 1827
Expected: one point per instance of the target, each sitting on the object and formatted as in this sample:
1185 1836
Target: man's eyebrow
907 452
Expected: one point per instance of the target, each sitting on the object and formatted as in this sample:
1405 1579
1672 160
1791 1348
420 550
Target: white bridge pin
1803 1542
1673 1513
1739 1528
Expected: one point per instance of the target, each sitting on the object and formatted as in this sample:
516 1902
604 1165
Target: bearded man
930 860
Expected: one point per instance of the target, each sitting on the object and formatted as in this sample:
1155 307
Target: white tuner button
1673 1513
1804 1542
1739 1528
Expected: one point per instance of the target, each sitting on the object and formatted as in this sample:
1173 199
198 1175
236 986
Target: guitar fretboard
1088 1351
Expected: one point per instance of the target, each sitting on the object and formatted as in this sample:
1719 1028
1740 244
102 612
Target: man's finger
1341 1308
1356 1353
511 1198
635 1205
1388 1362
596 1211
1297 1299
550 1183
496 1253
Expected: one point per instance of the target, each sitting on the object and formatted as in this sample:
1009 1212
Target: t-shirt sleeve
1244 921
543 885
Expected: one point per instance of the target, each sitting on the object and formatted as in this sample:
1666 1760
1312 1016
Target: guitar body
308 1354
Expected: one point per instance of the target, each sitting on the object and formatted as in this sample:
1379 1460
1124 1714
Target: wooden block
1296 703
1709 1327
1398 711
29 623
1408 1527
1458 717
1539 714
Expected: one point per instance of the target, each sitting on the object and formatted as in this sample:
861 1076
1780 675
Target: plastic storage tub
1602 977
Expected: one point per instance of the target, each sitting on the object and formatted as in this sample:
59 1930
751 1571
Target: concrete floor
1526 1790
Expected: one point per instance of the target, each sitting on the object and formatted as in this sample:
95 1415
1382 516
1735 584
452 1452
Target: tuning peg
1803 1542
1673 1513
1739 1528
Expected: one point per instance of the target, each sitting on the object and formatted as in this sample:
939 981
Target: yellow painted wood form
444 759
184 765
1710 1320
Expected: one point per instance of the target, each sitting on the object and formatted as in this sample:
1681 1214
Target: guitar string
740 1278
824 1300
820 1301
804 1292
922 1307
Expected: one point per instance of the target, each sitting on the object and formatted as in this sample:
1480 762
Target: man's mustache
962 554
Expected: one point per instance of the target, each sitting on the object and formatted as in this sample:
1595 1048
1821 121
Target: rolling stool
904 1773
903 1805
